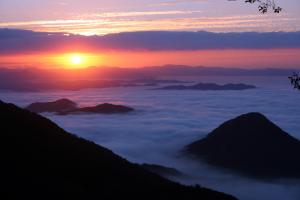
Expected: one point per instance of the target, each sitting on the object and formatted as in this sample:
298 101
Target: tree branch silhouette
265 5
295 80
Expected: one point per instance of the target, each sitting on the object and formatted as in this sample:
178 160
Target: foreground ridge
41 160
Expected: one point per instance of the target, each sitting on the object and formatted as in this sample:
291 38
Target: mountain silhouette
54 106
37 79
162 170
66 106
105 108
209 86
41 160
252 145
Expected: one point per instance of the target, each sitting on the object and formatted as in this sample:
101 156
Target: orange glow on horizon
74 60
77 60
243 58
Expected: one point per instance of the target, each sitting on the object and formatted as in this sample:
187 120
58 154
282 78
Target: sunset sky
102 18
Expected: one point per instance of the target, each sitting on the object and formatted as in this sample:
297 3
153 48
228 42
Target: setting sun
76 59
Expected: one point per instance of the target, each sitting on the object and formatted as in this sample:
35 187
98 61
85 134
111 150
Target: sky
90 17
107 19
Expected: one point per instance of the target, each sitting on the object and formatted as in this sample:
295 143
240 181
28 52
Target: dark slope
105 108
162 170
41 160
252 145
209 86
54 106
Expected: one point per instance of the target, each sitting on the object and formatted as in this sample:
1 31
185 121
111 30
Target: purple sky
101 16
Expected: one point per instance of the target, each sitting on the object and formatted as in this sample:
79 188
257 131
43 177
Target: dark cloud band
19 41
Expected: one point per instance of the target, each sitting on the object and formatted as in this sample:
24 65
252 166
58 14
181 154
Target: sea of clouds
165 121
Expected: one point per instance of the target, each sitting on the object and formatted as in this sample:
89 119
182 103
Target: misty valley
150 100
162 123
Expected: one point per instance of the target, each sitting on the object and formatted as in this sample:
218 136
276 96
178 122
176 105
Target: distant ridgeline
107 77
209 86
66 106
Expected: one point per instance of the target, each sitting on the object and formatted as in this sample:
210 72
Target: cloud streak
102 23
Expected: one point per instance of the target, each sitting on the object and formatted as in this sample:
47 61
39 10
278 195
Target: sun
76 59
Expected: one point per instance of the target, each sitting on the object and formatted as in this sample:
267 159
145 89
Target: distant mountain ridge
105 108
252 145
35 79
66 107
54 106
209 86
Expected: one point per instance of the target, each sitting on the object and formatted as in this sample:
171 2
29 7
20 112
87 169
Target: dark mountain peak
39 158
106 105
250 126
251 144
113 106
251 117
252 114
209 86
54 106
65 101
66 106
105 108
